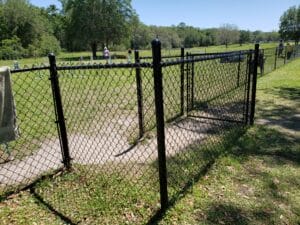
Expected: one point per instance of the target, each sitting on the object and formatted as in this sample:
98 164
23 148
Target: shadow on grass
40 200
189 167
290 93
269 142
233 215
228 214
280 114
281 150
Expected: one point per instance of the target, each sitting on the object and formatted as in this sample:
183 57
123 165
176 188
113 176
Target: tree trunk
94 50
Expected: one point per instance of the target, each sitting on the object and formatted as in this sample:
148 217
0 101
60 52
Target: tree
272 36
11 48
20 22
57 21
244 37
227 33
289 27
94 22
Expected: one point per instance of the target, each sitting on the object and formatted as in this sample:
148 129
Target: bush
47 44
11 48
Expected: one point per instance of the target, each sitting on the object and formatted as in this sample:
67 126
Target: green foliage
94 22
57 21
244 36
11 48
25 30
47 44
84 25
290 24
227 34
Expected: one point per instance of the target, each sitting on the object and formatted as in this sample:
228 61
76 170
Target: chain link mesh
37 151
110 119
109 161
215 99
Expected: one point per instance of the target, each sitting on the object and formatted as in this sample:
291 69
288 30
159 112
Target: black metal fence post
262 62
60 119
239 71
182 82
285 55
248 86
160 123
254 83
139 91
187 84
276 54
192 83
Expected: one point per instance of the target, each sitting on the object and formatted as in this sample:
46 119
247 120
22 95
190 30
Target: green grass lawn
257 181
92 97
252 181
72 57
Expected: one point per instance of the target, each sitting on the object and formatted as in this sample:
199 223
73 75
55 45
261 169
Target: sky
246 14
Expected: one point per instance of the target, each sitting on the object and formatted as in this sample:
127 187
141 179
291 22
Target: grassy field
252 169
93 97
75 56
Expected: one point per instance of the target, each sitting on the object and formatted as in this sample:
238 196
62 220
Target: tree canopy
81 25
93 22
290 24
24 27
227 34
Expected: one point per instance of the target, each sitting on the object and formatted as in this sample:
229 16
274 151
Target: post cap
156 42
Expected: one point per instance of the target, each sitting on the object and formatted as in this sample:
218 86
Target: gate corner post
160 124
254 84
59 113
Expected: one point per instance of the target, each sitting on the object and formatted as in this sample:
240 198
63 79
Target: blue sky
246 14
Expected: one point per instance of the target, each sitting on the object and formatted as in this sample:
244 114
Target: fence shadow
207 157
267 143
51 208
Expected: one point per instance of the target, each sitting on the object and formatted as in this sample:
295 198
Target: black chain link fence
115 143
273 58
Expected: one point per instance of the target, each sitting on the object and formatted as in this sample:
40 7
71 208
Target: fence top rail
221 53
23 70
163 57
206 57
105 66
83 67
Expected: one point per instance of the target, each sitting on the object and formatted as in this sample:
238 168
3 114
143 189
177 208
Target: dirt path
107 146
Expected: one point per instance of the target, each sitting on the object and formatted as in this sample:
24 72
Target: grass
257 169
109 194
91 98
75 56
257 181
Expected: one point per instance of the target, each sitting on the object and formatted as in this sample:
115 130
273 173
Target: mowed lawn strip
258 180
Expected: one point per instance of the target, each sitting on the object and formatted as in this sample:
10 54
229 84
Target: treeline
188 36
27 30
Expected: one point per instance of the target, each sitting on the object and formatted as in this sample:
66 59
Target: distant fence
95 131
274 58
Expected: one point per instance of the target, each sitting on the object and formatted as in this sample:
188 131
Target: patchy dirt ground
108 145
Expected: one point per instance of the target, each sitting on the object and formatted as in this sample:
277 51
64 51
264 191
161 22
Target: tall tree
227 33
57 21
244 36
289 27
20 21
94 22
